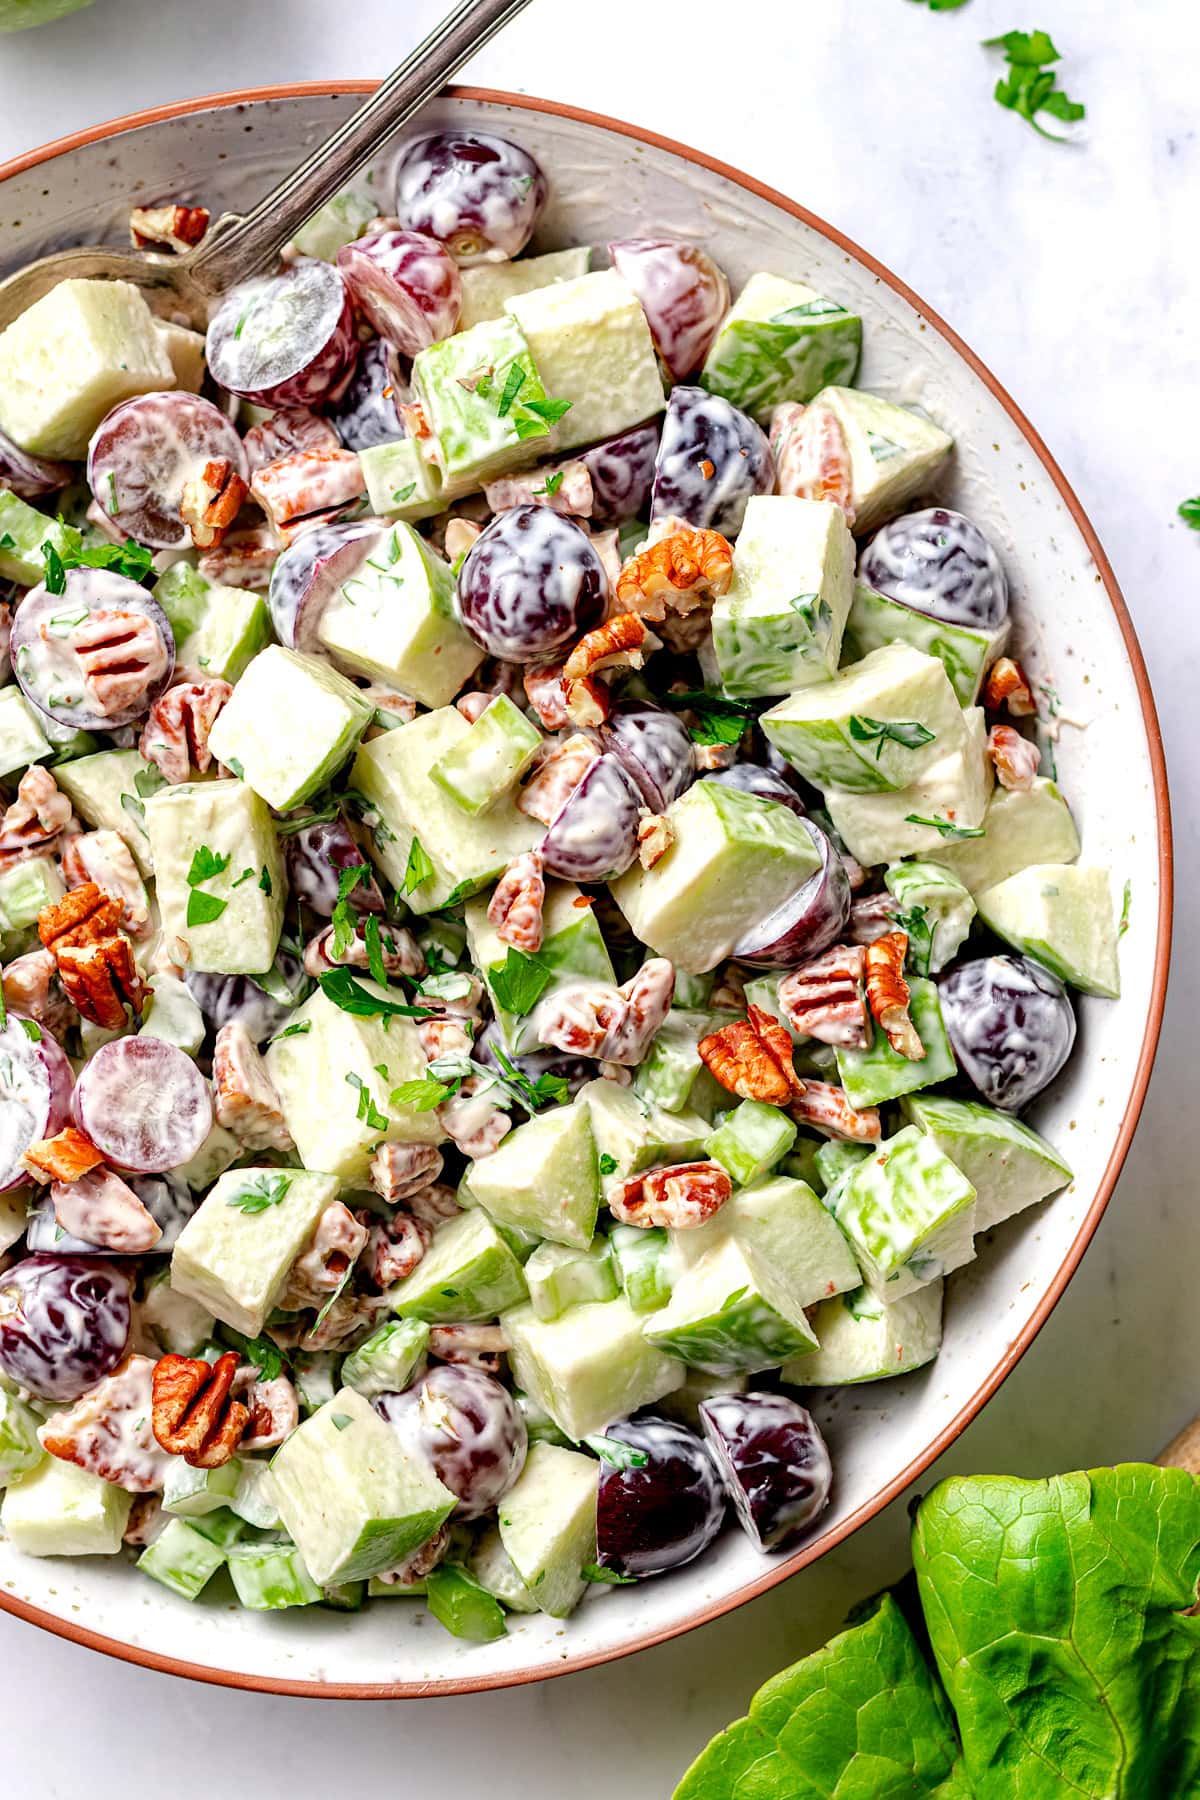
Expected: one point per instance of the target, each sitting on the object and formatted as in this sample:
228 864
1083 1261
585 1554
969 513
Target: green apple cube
420 825
222 1526
559 1278
271 1577
57 1509
1021 827
734 859
394 621
937 912
632 1134
701 1384
861 1339
1061 914
176 1322
496 1572
181 1559
1009 1166
592 346
950 796
25 889
751 1140
480 390
727 1313
20 1448
22 740
780 626
573 949
836 1158
909 1214
491 759
186 354
547 1526
24 534
543 1177
781 341
72 356
387 1361
235 1252
671 1074
876 726
338 222
352 1497
789 1238
590 1366
488 287
461 1606
172 1016
335 1082
219 630
468 1273
109 790
894 452
966 654
402 481
254 1500
291 724
190 1493
219 1149
229 919
872 1076
645 1264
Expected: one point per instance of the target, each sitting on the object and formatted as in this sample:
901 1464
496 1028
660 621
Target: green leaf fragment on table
1030 87
1189 512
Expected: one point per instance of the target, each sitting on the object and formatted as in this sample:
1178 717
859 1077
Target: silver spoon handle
245 245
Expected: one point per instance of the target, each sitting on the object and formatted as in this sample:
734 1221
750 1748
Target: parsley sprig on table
1029 85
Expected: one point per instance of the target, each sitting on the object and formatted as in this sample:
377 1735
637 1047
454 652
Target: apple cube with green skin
592 346
335 1119
190 1493
291 724
787 1234
468 1273
750 1140
547 1526
952 793
181 1559
109 790
20 1447
253 1502
909 1214
351 1496
392 772
402 481
727 1313
236 1251
543 1177
496 1572
671 1074
645 1263
1061 914
71 357
632 1134
590 1366
872 1076
24 535
475 389
488 287
25 889
338 222
491 759
394 621
560 1278
1009 1166
230 920
57 1509
894 453
938 911
967 655
1021 827
734 858
573 948
219 630
876 726
22 740
171 1015
861 1339
779 628
781 341
388 1360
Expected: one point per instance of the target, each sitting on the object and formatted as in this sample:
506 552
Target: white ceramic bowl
1072 630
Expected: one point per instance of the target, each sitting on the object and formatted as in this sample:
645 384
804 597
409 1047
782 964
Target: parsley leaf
549 410
1189 512
594 1573
264 881
514 381
32 1031
945 827
340 986
375 960
552 484
404 493
340 1420
132 560
266 1357
617 1455
519 982
368 1112
425 1094
907 732
718 721
257 1195
418 868
300 1029
920 936
55 578
1029 86
608 1164
203 909
343 915
547 1090
205 864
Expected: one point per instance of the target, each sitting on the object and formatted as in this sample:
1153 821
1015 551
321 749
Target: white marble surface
1075 274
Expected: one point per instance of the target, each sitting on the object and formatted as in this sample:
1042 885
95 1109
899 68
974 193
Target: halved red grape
470 1429
531 585
653 747
809 921
773 1462
316 856
684 296
659 1506
230 999
309 573
477 194
622 472
95 657
939 563
765 784
1011 1026
35 1093
144 1104
405 284
30 476
64 1324
368 409
712 458
284 340
594 835
144 451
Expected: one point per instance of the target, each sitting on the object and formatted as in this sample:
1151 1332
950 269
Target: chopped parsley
617 1455
32 1031
945 827
246 875
132 560
418 868
263 1192
907 732
266 1357
205 865
375 960
204 909
717 720
551 486
1029 86
404 493
424 1094
340 1420
367 1112
343 915
289 827
300 1029
594 1573
514 381
264 881
547 1090
915 924
519 982
352 997
608 1164
148 781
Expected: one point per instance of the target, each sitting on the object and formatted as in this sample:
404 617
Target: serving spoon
240 245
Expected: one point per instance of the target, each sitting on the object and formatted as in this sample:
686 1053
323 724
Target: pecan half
655 836
103 857
108 1430
683 570
401 1170
473 706
64 1157
753 1058
515 908
285 431
245 559
556 777
35 820
444 1036
612 1024
433 1205
679 1197
273 1406
100 1208
211 501
245 1099
175 735
1008 686
121 656
812 459
824 998
546 694
194 1414
825 1107
888 995
476 1346
146 1521
564 488
95 961
475 1123
1016 758
620 643
306 486
177 228
337 1242
395 1247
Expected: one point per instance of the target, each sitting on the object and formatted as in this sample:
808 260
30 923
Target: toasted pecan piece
888 995
64 1157
679 1197
1008 686
94 957
194 1415
753 1058
684 569
825 1106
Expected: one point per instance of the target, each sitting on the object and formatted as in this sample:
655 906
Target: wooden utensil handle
1183 1452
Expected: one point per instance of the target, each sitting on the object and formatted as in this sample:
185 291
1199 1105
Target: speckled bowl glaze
1072 631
